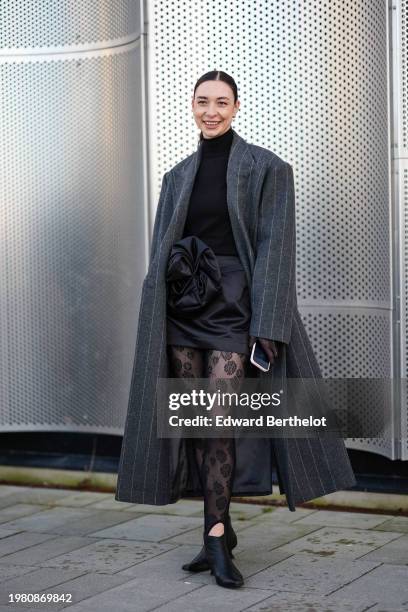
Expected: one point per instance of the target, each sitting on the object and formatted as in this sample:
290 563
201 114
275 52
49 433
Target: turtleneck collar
219 145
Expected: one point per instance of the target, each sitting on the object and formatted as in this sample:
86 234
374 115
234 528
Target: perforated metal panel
399 152
402 178
401 165
312 81
72 214
313 85
31 25
401 45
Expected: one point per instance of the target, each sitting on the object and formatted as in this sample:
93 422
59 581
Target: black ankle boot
200 563
222 567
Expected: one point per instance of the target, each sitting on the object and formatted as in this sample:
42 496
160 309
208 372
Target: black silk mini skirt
208 300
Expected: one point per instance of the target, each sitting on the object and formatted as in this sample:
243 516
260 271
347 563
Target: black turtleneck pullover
207 215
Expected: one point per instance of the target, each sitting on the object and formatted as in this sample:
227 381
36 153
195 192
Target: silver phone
259 358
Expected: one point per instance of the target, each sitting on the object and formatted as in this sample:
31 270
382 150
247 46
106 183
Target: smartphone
259 358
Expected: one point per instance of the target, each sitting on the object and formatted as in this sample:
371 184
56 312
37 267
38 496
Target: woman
231 204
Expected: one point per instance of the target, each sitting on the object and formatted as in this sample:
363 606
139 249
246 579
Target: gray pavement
98 555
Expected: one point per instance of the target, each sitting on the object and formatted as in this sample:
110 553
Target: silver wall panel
399 150
402 181
72 212
66 25
80 149
313 84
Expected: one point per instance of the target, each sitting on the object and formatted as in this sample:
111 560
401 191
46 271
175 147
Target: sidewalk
115 557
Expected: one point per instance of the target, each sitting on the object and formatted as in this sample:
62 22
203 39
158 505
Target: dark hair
218 75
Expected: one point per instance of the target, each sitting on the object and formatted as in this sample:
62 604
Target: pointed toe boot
222 567
200 563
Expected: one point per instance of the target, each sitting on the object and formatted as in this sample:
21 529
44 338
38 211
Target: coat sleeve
274 278
159 220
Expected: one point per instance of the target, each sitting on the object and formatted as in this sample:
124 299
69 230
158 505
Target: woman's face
213 108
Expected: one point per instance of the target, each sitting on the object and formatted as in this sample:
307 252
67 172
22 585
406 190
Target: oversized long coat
261 205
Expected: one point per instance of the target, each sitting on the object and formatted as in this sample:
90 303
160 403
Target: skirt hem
229 347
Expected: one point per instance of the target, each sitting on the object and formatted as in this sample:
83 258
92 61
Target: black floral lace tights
215 457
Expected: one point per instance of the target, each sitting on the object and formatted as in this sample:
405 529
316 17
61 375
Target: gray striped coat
261 204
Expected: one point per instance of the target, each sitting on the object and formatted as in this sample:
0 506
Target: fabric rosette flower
193 276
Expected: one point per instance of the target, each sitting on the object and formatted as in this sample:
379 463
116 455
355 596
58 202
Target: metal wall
72 211
399 153
313 80
90 121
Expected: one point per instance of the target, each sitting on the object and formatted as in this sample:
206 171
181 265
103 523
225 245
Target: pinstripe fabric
261 204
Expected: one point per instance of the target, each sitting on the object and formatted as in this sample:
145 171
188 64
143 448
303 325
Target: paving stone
241 524
150 528
269 534
46 550
395 552
386 585
34 582
212 596
304 573
15 511
396 523
111 504
140 594
10 571
5 533
20 541
107 556
166 565
336 542
295 602
17 608
43 520
93 522
284 515
195 536
8 500
69 521
8 489
328 518
34 495
239 510
265 514
385 608
83 587
310 559
249 563
181 508
82 498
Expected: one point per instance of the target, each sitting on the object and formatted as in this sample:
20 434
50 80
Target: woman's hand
269 346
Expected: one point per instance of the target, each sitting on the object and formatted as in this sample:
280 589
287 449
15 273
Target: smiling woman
237 200
214 107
